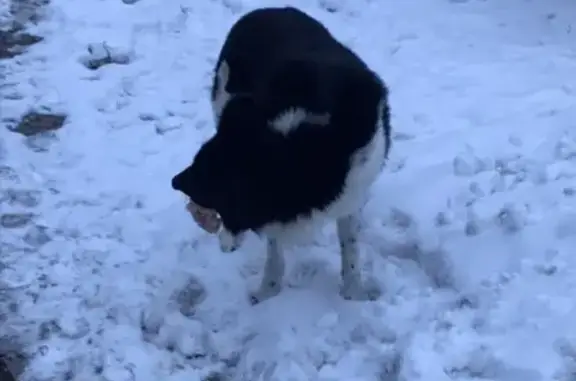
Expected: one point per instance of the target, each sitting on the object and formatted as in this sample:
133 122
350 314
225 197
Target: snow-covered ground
470 234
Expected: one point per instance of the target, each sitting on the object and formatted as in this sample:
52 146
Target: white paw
229 242
265 293
355 289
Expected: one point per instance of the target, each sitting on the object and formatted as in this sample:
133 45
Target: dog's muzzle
211 222
207 219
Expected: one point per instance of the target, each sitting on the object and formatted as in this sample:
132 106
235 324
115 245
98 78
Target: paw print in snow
468 164
511 219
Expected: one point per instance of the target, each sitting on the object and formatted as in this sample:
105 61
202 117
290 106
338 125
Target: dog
303 131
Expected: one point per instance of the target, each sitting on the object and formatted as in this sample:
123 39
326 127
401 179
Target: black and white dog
303 131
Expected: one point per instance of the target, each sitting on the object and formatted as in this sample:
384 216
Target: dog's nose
176 183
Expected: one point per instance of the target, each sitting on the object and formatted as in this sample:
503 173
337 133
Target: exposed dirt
14 41
34 123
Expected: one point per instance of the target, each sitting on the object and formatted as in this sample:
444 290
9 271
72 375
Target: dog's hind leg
271 283
348 231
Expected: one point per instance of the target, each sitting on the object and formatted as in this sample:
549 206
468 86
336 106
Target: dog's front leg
348 231
271 283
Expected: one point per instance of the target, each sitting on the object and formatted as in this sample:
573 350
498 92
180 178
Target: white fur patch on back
289 120
221 97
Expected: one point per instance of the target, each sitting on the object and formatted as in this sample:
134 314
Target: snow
469 234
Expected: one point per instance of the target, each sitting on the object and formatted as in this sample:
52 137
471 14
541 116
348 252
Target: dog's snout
176 183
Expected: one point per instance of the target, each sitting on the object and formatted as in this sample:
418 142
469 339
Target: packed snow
469 236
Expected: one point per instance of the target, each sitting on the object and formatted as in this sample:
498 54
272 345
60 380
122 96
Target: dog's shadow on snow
394 257
211 299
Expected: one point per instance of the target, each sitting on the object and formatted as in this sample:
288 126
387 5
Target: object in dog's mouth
209 220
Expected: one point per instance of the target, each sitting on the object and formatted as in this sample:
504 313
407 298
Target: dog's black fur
256 173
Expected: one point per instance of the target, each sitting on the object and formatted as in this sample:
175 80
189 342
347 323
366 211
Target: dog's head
228 173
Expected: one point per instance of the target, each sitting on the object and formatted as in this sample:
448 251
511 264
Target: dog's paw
360 291
263 294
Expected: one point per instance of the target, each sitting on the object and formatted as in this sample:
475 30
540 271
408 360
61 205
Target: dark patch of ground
14 42
5 373
34 123
10 366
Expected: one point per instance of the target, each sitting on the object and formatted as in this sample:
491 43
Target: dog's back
263 44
